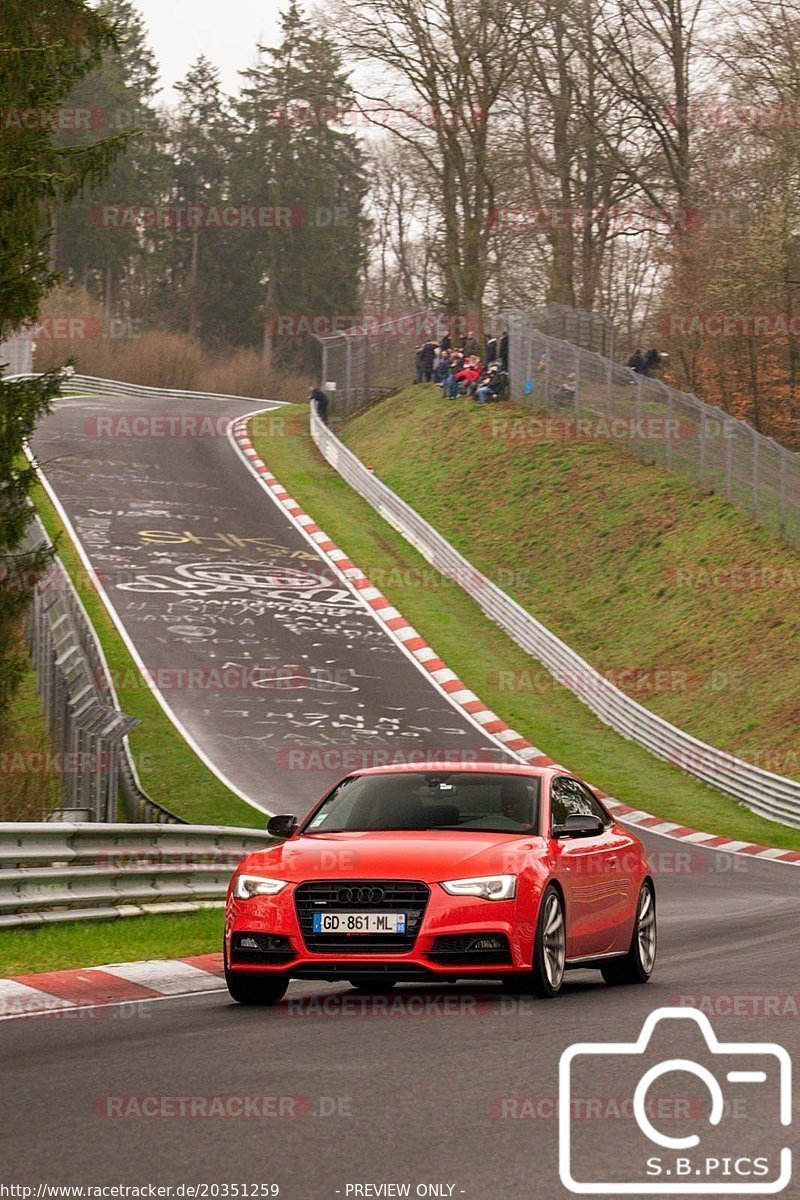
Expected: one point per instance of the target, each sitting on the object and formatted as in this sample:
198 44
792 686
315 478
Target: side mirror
282 826
579 825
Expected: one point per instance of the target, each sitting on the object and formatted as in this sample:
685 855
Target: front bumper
458 937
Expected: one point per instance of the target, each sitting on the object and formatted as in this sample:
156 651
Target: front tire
252 989
637 965
550 946
549 951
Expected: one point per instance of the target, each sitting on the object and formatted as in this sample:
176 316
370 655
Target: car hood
427 855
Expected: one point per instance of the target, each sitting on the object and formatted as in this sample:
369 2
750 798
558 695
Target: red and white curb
90 990
448 682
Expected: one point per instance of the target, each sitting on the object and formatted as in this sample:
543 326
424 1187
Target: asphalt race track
447 1089
214 585
452 1091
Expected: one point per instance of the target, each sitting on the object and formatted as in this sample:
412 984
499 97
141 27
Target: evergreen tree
46 47
296 152
104 242
196 255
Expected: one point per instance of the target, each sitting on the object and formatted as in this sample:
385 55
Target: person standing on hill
428 358
318 396
636 361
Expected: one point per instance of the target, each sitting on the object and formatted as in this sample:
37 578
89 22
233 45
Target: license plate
355 922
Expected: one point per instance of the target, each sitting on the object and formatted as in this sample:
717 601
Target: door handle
613 859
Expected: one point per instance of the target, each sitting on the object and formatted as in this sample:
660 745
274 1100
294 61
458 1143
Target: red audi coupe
441 872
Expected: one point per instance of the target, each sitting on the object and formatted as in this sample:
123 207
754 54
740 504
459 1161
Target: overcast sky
226 31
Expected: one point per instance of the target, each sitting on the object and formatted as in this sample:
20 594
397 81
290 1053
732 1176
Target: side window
569 798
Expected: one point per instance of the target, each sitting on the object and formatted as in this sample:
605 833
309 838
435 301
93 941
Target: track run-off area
448 1088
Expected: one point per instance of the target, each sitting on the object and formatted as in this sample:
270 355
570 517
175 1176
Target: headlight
488 887
247 886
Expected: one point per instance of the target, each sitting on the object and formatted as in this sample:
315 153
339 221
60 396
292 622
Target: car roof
508 768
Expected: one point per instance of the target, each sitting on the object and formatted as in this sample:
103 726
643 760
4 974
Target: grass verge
95 943
690 606
482 655
29 788
169 769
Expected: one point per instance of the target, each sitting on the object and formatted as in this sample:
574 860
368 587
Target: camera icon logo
729 1105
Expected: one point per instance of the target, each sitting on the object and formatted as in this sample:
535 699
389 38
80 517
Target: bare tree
443 66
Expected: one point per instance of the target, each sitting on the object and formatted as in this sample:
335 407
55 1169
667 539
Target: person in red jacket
468 376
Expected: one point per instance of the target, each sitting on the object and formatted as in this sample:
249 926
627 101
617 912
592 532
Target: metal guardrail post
577 384
755 476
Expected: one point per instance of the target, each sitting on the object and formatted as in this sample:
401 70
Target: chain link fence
88 732
585 395
370 361
590 330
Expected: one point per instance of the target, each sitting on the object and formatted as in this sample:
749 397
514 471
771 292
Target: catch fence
587 396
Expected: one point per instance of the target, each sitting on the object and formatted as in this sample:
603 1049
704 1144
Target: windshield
431 800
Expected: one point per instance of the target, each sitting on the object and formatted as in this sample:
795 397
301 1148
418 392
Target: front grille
361 895
463 949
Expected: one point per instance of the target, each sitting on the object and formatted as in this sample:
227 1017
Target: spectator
428 358
316 395
566 391
468 343
502 350
446 343
651 360
636 361
468 376
494 385
444 374
418 364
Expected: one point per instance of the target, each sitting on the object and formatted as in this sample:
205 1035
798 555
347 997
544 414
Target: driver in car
515 801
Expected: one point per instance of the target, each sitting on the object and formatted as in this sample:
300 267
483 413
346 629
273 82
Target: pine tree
46 47
295 151
196 255
104 242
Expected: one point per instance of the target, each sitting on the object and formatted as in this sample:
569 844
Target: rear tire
637 965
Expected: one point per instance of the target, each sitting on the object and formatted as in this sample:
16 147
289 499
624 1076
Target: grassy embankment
590 541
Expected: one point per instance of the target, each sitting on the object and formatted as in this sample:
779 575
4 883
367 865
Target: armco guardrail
53 872
772 796
88 731
116 387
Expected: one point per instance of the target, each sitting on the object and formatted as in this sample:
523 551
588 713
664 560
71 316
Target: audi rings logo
361 895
